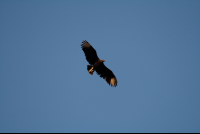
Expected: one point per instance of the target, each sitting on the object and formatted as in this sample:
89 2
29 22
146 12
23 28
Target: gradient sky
152 46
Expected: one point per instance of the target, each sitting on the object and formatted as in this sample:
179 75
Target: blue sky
153 48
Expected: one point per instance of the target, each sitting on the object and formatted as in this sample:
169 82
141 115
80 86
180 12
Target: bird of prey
97 65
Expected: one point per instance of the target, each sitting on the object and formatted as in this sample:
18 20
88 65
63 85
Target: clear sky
152 46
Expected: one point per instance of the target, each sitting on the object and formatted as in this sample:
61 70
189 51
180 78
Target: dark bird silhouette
97 65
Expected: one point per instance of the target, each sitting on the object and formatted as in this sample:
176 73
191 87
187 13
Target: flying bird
97 65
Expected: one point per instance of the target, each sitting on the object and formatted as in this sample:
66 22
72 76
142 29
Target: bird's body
97 65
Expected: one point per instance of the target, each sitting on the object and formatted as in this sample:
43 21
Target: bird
97 65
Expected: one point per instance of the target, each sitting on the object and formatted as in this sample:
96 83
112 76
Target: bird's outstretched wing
90 52
106 74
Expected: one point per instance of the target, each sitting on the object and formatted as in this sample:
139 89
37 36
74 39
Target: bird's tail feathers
90 69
